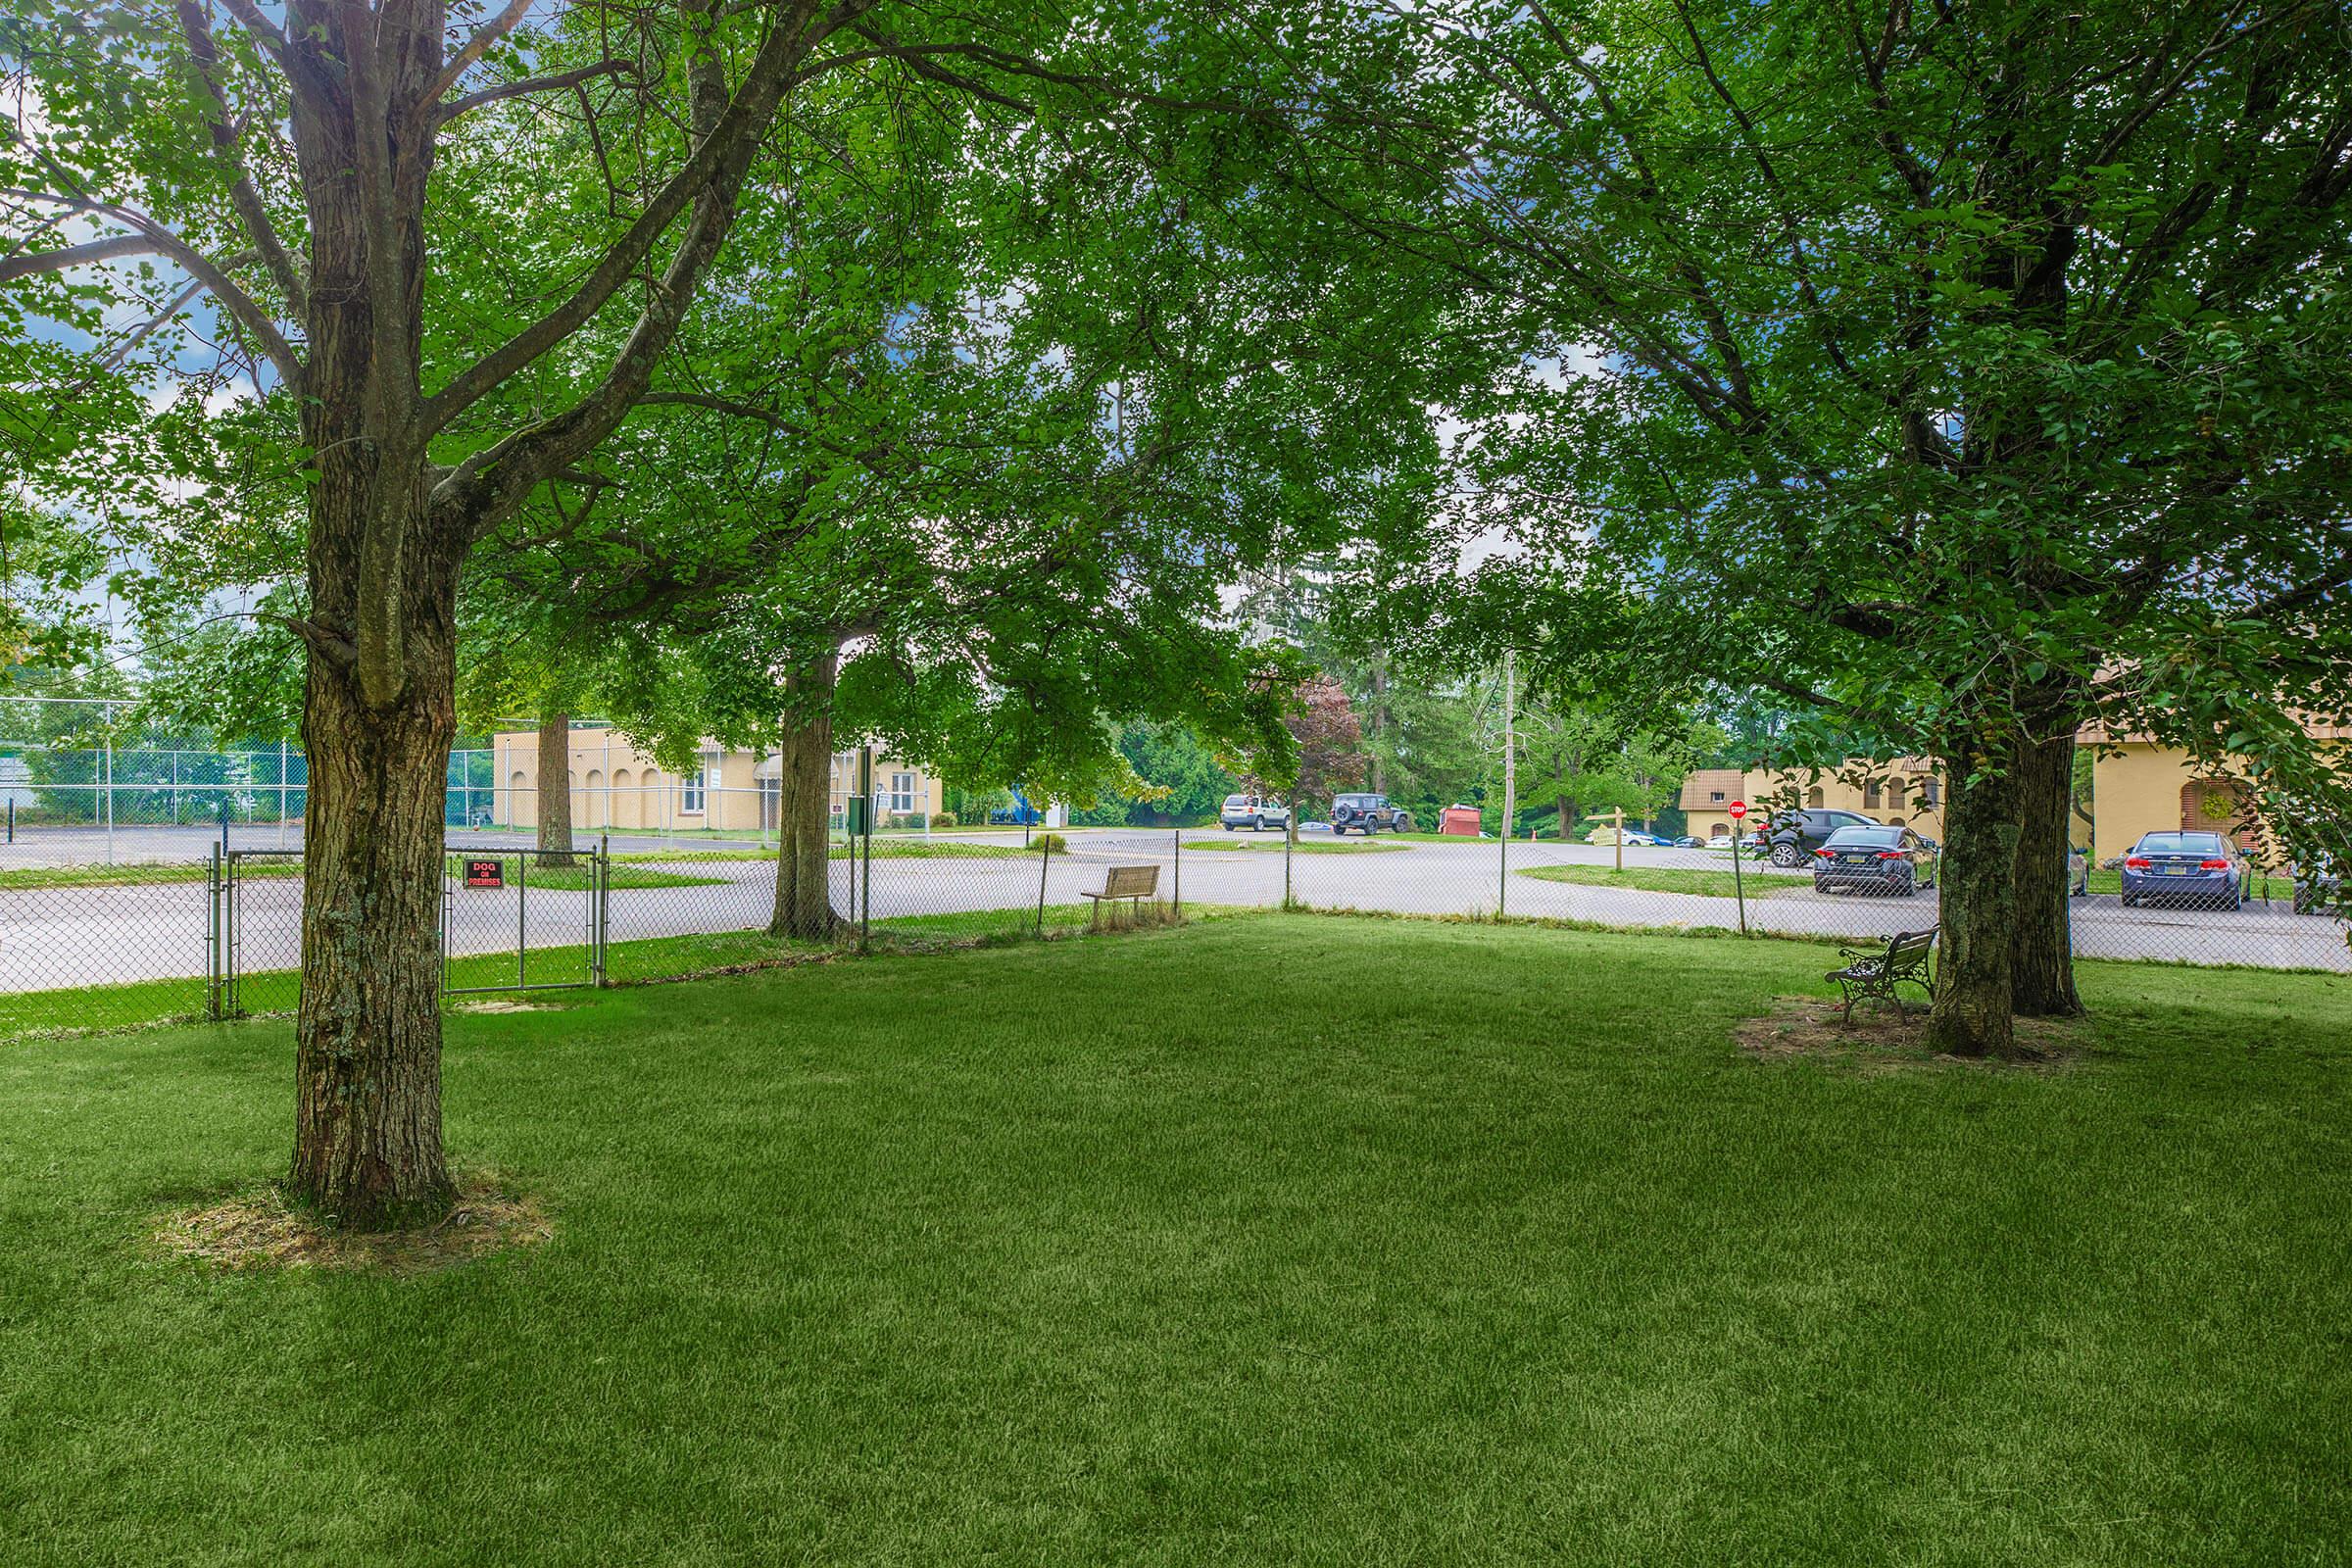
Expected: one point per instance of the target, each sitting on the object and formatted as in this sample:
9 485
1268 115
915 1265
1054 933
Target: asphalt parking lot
61 936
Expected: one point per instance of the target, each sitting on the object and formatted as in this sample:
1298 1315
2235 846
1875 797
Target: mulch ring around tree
261 1230
1883 1040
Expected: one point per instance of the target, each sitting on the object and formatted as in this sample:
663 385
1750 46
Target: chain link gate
488 903
511 919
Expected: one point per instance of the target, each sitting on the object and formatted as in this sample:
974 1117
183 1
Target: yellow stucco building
615 786
2139 786
1907 792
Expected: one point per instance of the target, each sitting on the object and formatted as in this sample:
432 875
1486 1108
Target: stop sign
1738 810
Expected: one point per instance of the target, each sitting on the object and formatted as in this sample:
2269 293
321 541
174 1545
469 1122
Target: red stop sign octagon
1738 810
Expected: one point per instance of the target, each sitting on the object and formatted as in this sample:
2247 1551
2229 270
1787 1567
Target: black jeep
1368 814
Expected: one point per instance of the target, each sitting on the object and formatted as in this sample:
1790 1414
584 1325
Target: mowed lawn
1271 1239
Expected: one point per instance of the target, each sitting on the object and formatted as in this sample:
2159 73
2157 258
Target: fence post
110 787
1176 895
1739 886
1503 868
1045 858
1290 831
865 793
600 911
211 938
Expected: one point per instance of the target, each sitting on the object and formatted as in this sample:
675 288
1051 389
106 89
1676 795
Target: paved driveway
52 938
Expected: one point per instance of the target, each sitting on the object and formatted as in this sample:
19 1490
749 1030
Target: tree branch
161 241
241 193
727 146
530 85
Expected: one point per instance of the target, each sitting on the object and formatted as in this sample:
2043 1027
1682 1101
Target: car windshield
1876 838
2180 844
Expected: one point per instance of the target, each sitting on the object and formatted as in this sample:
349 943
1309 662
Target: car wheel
2129 903
1785 856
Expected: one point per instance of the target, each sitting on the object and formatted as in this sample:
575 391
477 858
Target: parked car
2203 871
1873 859
1797 834
1368 814
1691 841
1649 840
2320 887
1720 841
1254 813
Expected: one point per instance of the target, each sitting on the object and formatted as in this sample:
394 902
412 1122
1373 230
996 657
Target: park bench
1876 972
1133 883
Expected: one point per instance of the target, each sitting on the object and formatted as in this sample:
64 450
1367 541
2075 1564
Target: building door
2214 806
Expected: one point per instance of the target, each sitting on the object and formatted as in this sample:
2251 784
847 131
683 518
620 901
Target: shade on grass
1276 1239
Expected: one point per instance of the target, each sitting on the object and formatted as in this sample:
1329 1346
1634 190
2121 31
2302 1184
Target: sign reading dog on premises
485 873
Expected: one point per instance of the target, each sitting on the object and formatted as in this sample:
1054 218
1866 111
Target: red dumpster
1462 819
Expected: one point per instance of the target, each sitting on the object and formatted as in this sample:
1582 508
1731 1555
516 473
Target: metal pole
1045 858
1739 886
865 915
211 938
281 792
522 917
1176 900
1290 832
1510 779
604 903
110 791
224 821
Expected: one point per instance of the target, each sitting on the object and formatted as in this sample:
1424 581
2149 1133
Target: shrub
1051 841
942 820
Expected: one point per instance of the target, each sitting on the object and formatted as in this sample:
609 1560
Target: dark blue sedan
2198 870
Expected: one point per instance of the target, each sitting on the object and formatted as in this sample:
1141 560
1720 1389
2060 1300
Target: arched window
1814 798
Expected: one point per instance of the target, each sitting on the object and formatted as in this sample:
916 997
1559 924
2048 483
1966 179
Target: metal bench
1875 972
1131 883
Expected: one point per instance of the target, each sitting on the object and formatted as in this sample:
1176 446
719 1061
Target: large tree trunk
1979 878
805 805
379 704
555 789
2041 945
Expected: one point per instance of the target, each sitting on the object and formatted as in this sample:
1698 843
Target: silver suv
1254 813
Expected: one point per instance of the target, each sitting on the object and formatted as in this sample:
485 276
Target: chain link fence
164 881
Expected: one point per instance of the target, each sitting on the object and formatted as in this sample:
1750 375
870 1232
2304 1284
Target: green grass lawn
1418 1243
1666 879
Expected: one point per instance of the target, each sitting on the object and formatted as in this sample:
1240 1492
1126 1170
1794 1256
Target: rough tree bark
389 532
555 789
805 805
1974 966
379 701
2042 946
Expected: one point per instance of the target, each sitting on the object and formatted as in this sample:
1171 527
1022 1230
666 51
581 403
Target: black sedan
1873 859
